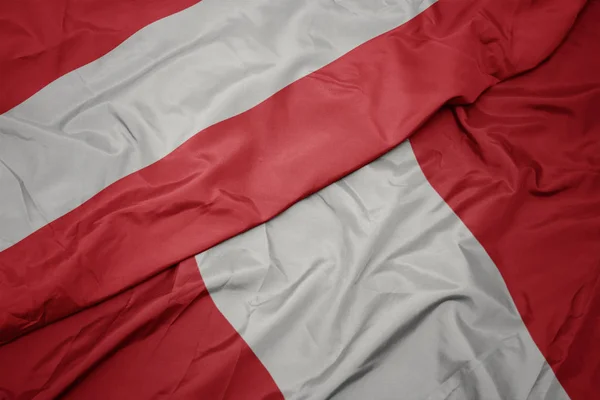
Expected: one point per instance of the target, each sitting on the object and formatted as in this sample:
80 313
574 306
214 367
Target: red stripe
238 173
43 40
163 337
521 167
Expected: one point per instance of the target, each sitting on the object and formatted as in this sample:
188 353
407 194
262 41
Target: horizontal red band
44 40
243 171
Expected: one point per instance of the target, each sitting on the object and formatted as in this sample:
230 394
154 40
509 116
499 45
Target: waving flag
345 199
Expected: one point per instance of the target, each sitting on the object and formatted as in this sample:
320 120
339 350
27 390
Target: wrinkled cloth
100 296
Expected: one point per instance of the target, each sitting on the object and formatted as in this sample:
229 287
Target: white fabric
175 77
374 289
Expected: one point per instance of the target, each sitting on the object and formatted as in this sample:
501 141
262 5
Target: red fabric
41 40
240 172
164 338
521 167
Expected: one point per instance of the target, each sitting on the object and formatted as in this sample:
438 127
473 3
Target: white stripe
374 289
167 82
